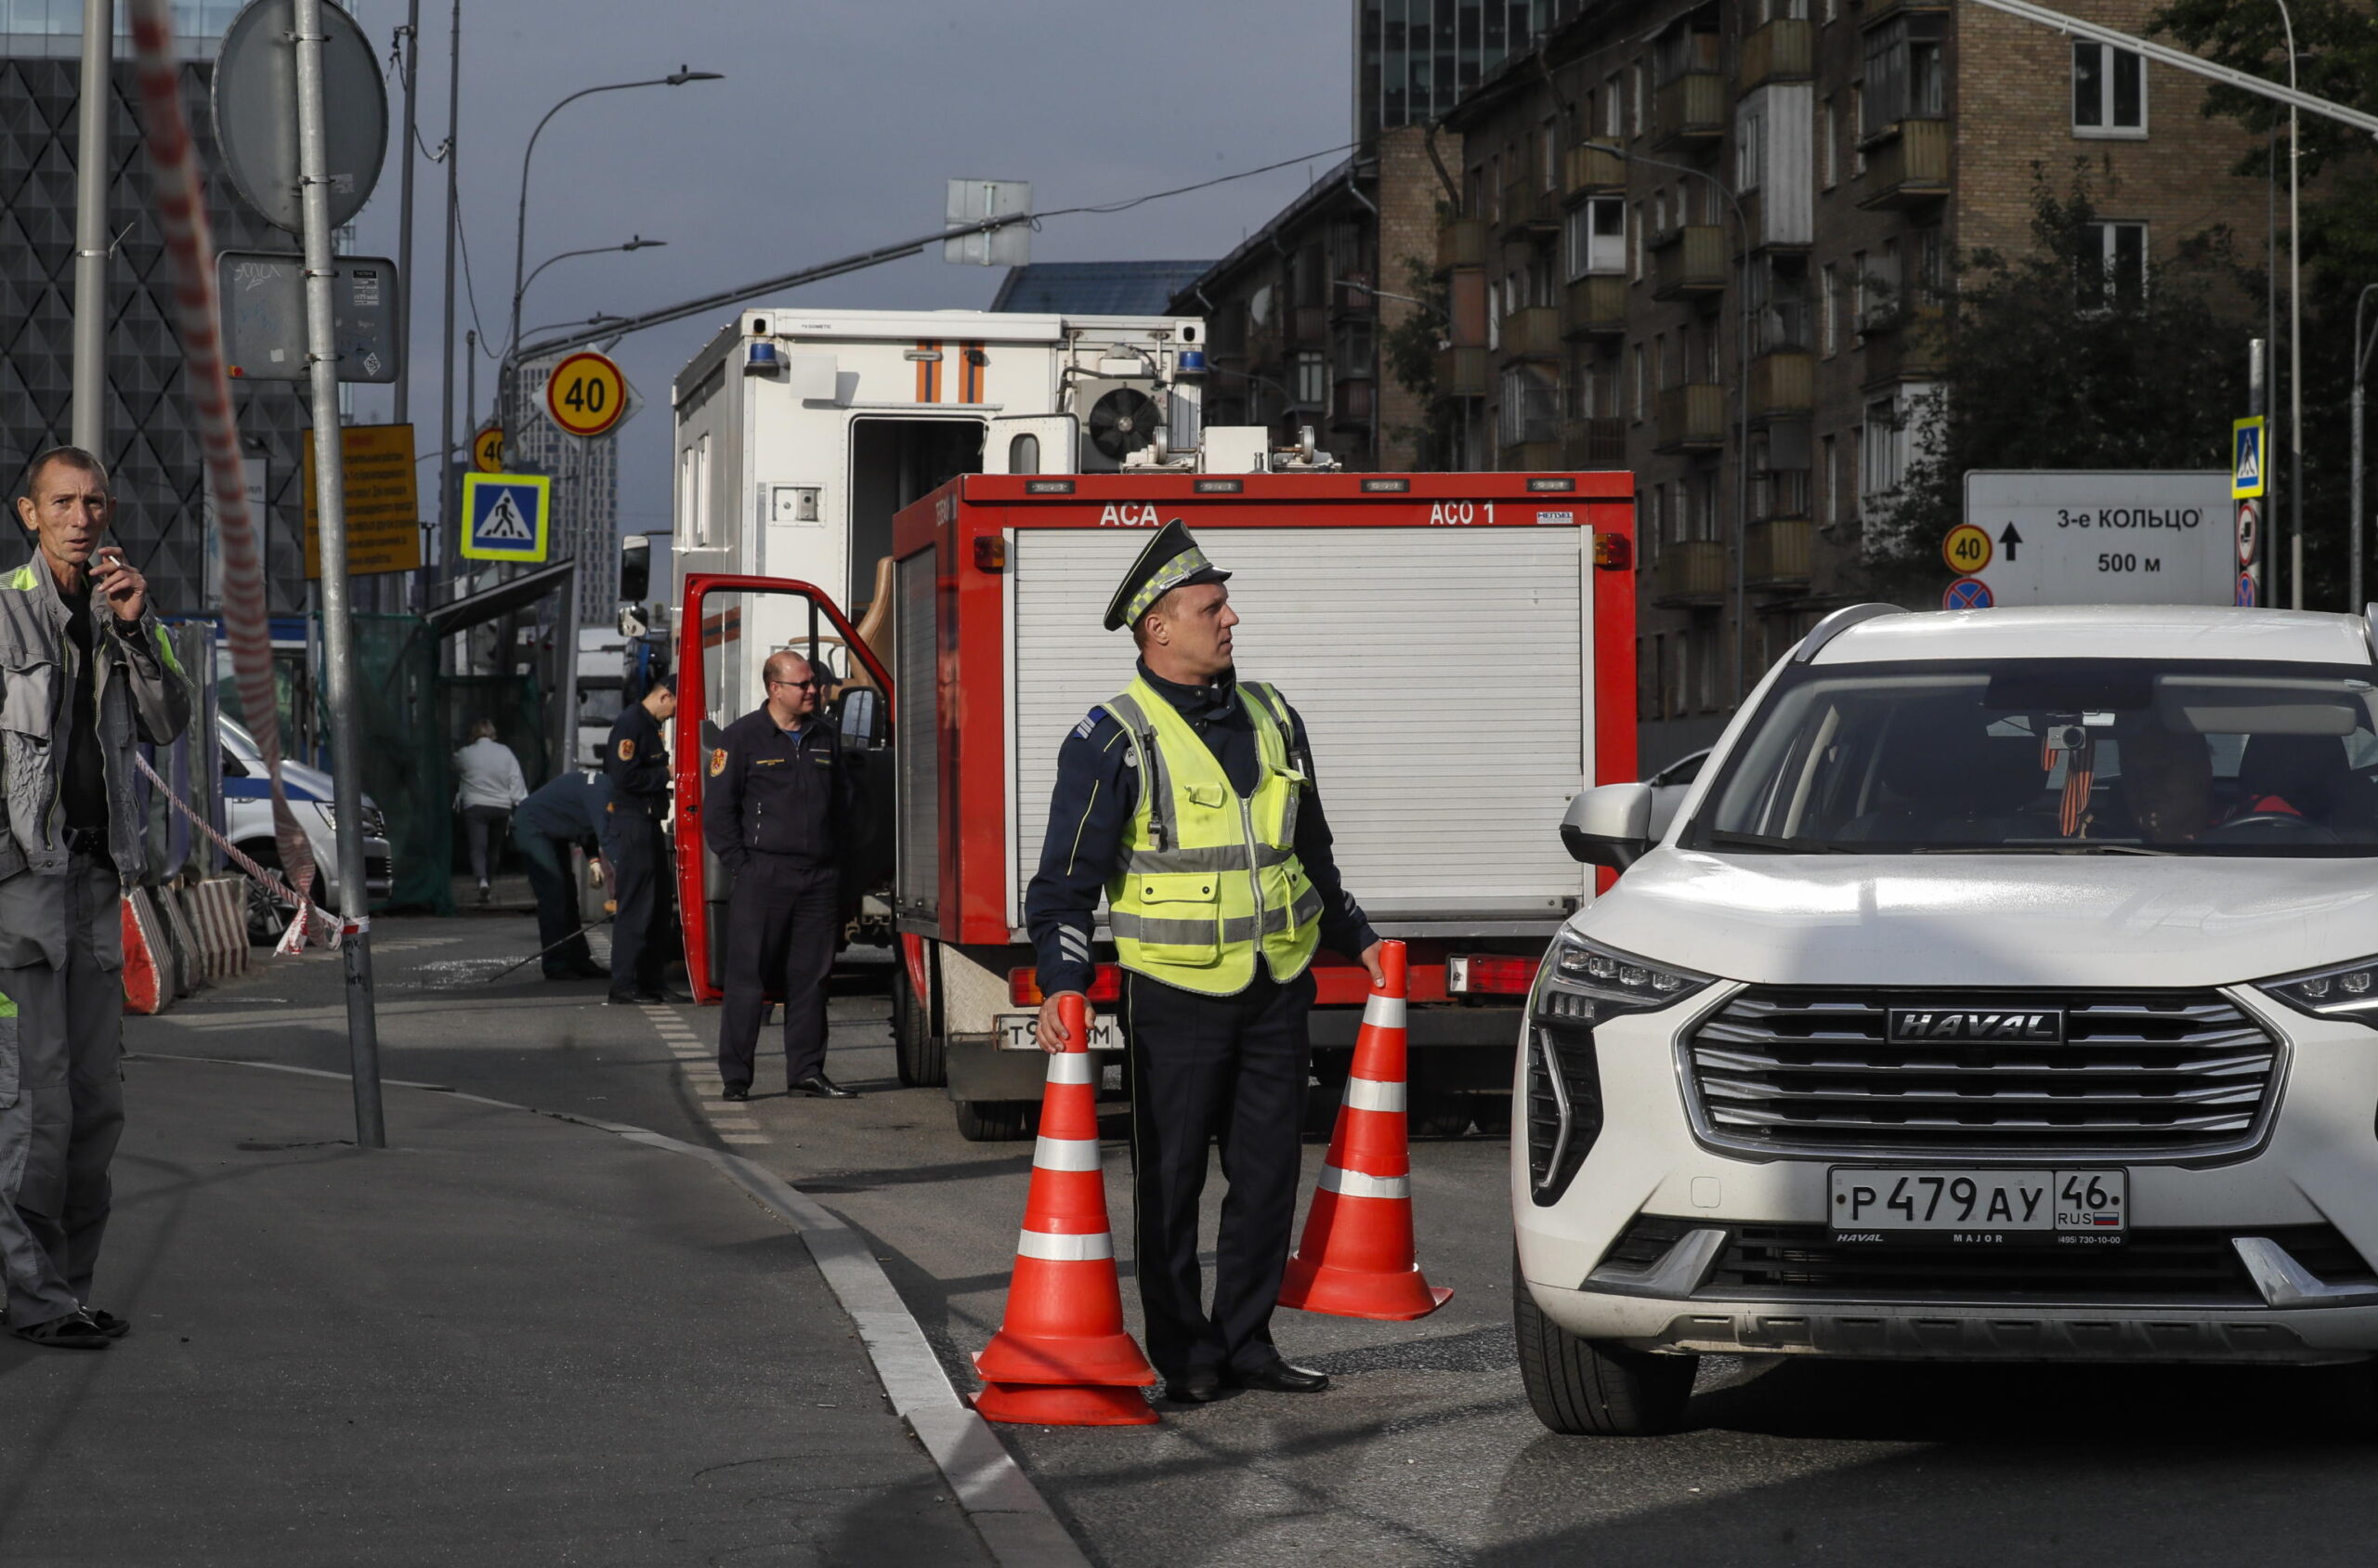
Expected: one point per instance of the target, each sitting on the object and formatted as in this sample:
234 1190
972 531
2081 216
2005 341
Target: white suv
2006 989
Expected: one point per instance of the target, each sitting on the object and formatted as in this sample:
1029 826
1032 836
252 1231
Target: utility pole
338 624
2258 406
2356 520
411 64
449 486
88 422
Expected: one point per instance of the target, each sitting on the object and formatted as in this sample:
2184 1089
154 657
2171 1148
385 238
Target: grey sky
834 131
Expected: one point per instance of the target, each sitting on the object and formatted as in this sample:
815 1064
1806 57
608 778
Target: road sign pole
338 624
88 420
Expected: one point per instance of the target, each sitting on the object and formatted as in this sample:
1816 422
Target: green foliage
1409 351
2044 366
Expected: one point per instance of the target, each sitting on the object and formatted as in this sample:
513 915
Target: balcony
1589 171
1878 11
1787 233
1461 242
1690 571
1690 260
1462 371
1784 50
1689 418
1593 443
1595 306
1531 333
1528 209
1308 326
1354 296
1909 352
1783 383
1907 164
1689 110
1775 552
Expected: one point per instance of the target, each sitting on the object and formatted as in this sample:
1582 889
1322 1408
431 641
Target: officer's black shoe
820 1086
75 1331
1280 1376
585 969
107 1323
1199 1385
660 994
736 1091
623 998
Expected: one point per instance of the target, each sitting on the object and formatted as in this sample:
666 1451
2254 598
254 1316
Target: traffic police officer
1190 801
776 811
635 766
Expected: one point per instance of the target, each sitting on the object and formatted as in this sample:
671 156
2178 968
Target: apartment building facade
1710 242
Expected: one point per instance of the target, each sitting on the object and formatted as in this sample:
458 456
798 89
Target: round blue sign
2246 587
1967 593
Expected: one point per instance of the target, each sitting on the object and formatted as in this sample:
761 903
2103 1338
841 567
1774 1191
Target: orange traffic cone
1356 1258
1063 1358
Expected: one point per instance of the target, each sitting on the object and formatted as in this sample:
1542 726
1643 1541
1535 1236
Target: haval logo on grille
2042 1025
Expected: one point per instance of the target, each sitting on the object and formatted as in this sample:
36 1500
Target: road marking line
742 1137
735 1123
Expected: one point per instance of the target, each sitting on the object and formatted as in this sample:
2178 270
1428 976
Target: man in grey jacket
85 674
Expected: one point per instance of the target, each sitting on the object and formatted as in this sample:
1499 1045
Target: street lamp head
638 242
685 73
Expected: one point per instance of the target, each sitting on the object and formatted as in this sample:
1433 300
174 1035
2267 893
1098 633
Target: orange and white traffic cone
1356 1258
1063 1358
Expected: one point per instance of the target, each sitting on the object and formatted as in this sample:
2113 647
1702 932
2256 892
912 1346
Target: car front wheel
1585 1388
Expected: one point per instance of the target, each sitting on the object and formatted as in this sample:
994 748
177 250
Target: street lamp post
2296 337
1742 453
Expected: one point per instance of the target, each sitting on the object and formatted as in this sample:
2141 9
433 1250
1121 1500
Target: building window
1890 440
2109 91
1473 199
1904 80
1832 512
1642 91
1829 310
1642 392
1829 143
1312 378
705 528
1548 154
1613 108
2120 283
1750 142
1856 118
1595 237
1637 240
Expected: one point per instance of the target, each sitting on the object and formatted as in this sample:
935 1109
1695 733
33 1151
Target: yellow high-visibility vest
1210 878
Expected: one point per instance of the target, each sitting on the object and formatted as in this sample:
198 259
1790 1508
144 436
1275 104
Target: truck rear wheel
915 1048
1584 1388
996 1121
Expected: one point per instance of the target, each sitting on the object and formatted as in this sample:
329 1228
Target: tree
2052 360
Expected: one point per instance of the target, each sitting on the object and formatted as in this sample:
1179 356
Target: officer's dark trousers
1232 1068
781 918
557 924
61 1108
632 847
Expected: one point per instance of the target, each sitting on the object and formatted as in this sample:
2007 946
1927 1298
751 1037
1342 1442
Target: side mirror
858 714
635 568
1609 826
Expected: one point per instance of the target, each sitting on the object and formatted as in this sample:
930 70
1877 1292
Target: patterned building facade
586 496
151 443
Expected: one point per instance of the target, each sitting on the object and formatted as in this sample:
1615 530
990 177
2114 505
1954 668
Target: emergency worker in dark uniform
1190 801
775 811
635 770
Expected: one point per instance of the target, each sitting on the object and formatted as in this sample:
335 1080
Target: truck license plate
1984 1208
1016 1032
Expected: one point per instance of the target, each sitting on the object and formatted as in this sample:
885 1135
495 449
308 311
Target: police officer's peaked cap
1171 560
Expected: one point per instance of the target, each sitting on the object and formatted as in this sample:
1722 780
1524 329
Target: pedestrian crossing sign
2246 455
505 517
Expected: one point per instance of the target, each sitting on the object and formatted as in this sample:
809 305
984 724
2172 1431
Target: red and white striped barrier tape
301 925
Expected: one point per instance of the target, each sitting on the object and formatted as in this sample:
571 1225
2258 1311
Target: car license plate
1985 1207
1016 1032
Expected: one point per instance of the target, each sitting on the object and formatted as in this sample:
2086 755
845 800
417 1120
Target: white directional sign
504 515
2123 538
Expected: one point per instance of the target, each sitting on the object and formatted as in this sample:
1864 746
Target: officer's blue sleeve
1344 928
1096 792
722 806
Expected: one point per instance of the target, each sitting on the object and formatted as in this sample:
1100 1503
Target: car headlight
2344 990
1587 982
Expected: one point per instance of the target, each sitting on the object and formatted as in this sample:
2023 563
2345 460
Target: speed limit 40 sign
1967 549
586 395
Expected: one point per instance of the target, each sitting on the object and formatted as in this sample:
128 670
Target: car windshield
2095 756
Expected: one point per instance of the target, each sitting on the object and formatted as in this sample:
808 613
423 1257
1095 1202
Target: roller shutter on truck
1442 672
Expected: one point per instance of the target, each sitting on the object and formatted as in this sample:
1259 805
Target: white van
2007 987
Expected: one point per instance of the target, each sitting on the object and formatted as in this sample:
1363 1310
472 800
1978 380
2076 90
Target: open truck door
726 629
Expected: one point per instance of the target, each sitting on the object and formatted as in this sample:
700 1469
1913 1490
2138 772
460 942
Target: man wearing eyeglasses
775 810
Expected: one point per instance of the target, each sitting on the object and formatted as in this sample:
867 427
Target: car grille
1782 1262
2148 1074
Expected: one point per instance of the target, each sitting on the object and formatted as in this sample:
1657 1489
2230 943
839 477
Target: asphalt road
1424 1451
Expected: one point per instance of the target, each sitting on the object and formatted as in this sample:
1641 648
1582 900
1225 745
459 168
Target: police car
247 810
2006 989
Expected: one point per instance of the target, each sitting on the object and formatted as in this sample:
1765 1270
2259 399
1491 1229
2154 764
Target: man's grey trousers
62 1092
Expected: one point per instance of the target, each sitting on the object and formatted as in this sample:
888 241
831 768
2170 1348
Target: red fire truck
1461 646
